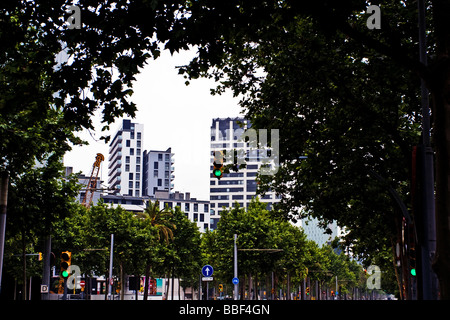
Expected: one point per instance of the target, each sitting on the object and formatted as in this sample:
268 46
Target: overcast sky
174 115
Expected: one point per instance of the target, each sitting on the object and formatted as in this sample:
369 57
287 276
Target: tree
345 96
53 78
39 198
161 220
259 232
185 263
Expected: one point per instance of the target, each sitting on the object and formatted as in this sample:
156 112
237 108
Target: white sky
174 115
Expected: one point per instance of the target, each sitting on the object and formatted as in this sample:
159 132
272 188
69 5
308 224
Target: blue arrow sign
235 280
207 271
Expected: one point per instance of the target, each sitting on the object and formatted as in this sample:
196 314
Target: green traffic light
65 274
217 172
413 272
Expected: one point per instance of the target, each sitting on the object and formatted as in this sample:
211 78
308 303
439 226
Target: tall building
228 134
139 176
125 159
158 171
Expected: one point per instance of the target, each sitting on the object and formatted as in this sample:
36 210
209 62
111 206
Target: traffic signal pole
236 286
428 221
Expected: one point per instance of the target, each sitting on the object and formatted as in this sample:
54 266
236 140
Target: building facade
158 174
195 210
241 186
126 159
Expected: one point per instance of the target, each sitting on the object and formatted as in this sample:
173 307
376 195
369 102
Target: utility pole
236 286
111 266
427 222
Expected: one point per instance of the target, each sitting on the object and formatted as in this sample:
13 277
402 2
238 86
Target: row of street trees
164 243
271 247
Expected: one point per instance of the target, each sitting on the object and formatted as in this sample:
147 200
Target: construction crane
92 184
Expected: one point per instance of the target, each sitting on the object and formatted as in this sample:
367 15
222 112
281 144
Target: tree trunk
137 280
167 287
122 287
440 91
442 146
24 265
4 182
250 297
173 280
147 281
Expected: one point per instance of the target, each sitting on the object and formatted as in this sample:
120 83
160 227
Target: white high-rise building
126 159
158 171
234 186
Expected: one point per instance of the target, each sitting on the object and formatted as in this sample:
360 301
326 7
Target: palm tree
161 219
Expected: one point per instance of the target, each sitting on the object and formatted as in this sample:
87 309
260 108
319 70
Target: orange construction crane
92 184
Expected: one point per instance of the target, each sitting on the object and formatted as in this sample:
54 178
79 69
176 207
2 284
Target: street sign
207 271
82 283
44 288
207 278
235 280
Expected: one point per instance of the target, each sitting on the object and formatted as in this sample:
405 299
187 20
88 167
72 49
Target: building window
138 160
155 165
137 185
130 184
127 143
127 167
155 173
160 157
130 176
251 186
168 204
132 135
195 207
138 176
206 207
127 159
167 157
131 151
139 136
137 193
186 207
159 182
202 217
138 168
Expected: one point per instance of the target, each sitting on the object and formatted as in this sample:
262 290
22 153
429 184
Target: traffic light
307 291
66 260
220 287
218 164
412 261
